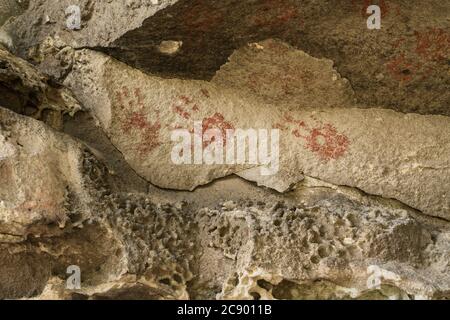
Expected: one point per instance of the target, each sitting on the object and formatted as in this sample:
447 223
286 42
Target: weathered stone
102 22
337 243
358 207
9 8
322 257
42 179
393 67
334 248
401 156
286 76
25 90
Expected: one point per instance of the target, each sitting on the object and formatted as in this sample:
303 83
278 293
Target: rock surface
25 90
358 206
393 67
11 8
342 146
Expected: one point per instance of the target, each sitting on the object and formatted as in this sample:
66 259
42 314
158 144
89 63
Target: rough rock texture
11 8
358 209
393 67
48 18
26 91
342 146
285 76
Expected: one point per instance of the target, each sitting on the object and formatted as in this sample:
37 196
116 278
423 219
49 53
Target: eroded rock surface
286 76
357 208
102 22
379 151
9 8
25 90
41 176
318 241
393 67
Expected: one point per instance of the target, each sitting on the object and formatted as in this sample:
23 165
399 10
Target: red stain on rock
327 142
134 121
217 121
185 99
201 16
324 140
137 125
300 125
179 110
433 44
289 119
150 138
138 95
45 202
419 57
279 126
182 103
400 68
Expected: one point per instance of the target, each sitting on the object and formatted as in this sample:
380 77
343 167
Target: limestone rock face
286 76
393 67
25 90
201 149
41 176
9 8
101 22
320 243
47 193
342 146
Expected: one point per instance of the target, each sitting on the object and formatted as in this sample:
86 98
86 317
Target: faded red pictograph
433 44
327 142
322 139
216 121
419 57
184 105
400 68
205 92
180 111
134 121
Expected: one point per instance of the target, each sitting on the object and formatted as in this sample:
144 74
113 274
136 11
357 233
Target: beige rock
102 22
334 248
281 74
338 219
9 8
42 179
25 90
305 252
395 155
56 210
